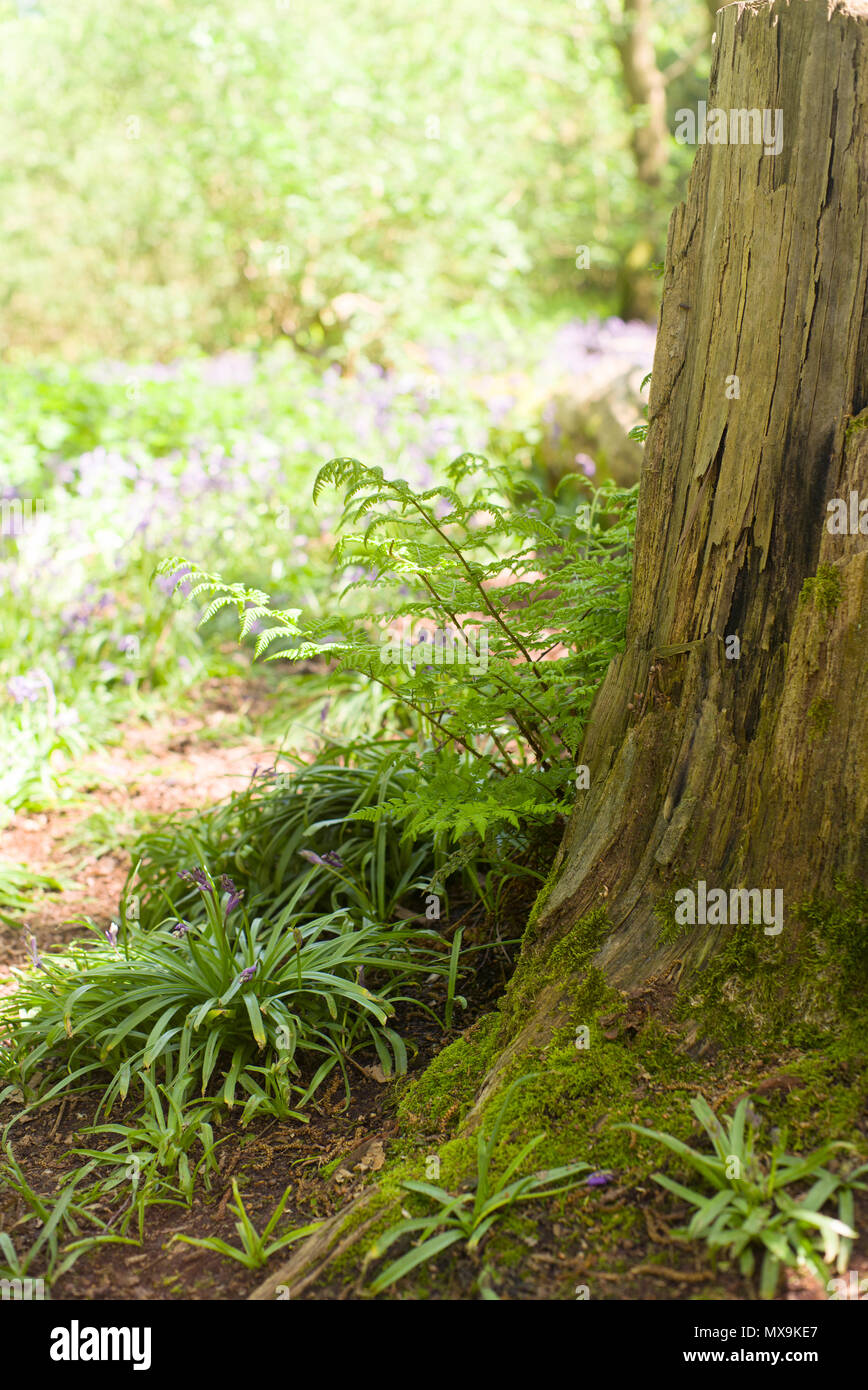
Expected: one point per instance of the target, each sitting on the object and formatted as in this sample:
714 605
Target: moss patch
819 718
664 910
790 990
825 590
445 1090
779 1019
565 963
536 911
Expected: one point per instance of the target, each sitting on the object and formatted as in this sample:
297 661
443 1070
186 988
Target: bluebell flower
600 1179
34 954
168 582
235 894
199 877
330 860
24 688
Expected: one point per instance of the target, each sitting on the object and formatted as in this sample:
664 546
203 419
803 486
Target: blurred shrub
219 174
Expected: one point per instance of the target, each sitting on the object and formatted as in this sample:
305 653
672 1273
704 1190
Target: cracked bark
767 280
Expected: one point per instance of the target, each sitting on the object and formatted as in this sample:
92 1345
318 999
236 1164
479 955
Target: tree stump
727 743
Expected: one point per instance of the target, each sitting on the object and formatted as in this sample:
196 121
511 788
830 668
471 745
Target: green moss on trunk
790 990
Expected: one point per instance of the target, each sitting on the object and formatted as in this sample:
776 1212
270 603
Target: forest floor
180 761
174 761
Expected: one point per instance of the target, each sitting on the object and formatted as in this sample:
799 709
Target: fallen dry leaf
377 1074
373 1160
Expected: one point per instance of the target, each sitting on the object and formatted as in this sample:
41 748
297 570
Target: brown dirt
265 1158
645 1263
172 763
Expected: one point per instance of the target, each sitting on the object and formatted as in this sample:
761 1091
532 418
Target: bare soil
176 762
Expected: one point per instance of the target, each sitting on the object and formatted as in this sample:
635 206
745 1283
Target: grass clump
751 1205
256 1009
255 1249
470 1216
295 836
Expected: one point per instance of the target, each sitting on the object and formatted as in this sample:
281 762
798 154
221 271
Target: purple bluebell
34 954
169 582
199 877
24 688
235 894
330 859
600 1179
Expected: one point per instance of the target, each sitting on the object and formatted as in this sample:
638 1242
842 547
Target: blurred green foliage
212 458
183 174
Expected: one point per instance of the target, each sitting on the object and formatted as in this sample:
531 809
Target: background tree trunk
744 772
646 87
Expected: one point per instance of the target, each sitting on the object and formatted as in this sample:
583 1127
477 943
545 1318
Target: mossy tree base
605 1058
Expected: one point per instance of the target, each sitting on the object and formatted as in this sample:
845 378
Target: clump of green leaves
495 617
17 883
275 836
160 1155
263 1009
56 1218
469 1216
255 1249
751 1209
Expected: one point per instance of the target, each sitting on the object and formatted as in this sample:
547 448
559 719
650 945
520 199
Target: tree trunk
744 771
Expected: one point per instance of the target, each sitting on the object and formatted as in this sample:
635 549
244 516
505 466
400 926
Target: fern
484 608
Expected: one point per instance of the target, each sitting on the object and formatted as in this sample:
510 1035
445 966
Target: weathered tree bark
751 771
